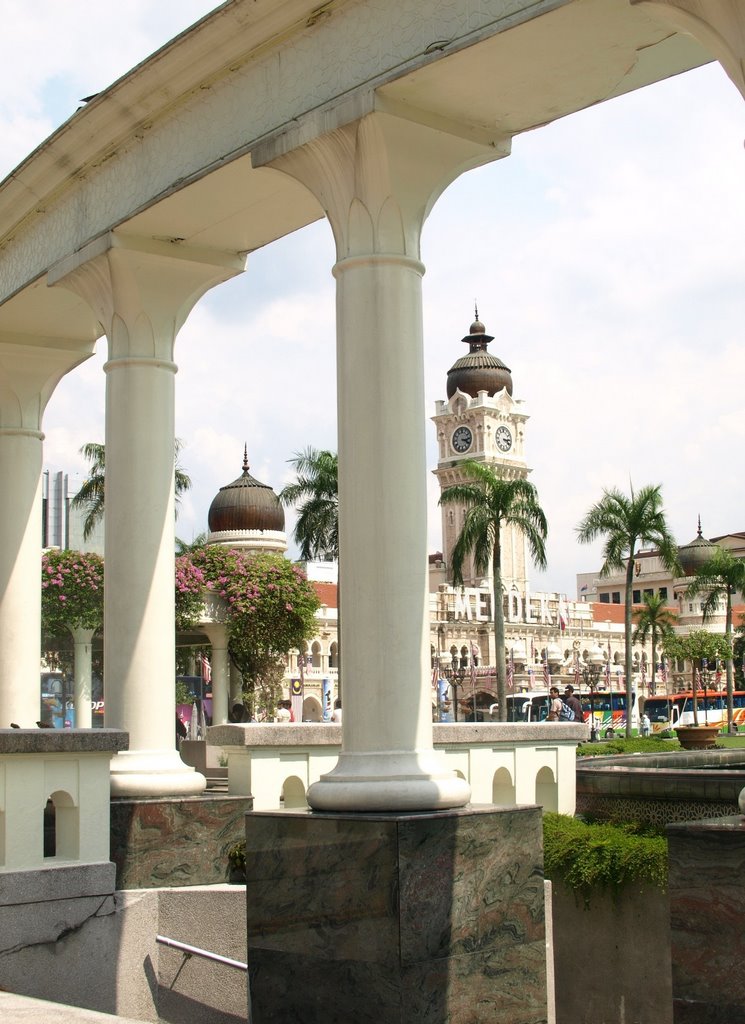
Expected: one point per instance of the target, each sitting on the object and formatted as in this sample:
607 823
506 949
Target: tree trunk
627 638
498 615
730 665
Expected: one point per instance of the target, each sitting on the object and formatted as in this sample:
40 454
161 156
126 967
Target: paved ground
24 1010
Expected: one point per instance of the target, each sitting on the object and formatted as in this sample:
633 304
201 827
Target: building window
616 597
648 592
636 597
663 593
605 598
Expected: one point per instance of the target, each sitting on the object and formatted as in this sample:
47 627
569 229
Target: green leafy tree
653 620
91 496
699 647
720 578
493 502
270 609
315 493
738 654
627 524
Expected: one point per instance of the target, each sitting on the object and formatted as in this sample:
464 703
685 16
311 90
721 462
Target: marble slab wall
404 919
707 920
169 841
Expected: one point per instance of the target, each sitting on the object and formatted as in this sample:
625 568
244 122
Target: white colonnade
142 291
30 368
377 179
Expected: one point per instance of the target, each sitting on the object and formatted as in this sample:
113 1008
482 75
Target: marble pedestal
172 841
707 910
398 918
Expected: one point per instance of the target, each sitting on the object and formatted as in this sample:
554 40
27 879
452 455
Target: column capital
30 369
719 25
378 177
142 289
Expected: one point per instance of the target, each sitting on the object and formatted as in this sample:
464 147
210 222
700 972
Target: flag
546 672
563 614
663 671
607 672
206 670
510 672
577 671
297 695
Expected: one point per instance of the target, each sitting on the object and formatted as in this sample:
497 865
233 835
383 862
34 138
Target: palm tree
654 619
183 547
316 493
91 495
492 502
627 523
721 576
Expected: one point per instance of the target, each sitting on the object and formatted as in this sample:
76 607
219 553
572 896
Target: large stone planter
697 737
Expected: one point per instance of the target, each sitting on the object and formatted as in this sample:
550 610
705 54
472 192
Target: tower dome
247 514
692 556
478 370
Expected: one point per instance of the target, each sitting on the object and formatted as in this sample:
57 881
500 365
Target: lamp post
457 674
591 672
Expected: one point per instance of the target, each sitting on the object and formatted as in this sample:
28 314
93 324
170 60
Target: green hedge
589 857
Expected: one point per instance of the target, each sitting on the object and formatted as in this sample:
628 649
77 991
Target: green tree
270 609
720 578
626 524
698 647
654 619
315 493
91 496
493 502
183 547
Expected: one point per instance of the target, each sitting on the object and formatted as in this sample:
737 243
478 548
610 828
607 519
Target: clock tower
481 421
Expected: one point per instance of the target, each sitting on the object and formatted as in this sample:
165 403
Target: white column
82 638
217 635
29 371
142 291
377 179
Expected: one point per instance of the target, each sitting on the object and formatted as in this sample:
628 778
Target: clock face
461 440
503 438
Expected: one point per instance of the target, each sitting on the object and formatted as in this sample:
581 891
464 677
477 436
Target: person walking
573 703
554 707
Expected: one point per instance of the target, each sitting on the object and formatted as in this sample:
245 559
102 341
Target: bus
665 712
609 710
530 706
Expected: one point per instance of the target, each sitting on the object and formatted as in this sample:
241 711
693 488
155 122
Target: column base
389 781
407 919
153 773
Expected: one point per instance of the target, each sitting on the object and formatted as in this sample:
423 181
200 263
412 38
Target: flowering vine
270 605
71 591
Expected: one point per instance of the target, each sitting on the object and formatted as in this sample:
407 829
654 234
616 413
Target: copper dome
692 556
246 504
479 370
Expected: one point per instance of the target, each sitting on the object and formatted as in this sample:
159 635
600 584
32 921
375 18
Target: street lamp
457 675
591 672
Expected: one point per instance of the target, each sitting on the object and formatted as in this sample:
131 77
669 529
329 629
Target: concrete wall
612 957
65 938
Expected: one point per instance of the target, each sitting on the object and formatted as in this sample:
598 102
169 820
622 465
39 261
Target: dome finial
245 458
476 309
699 525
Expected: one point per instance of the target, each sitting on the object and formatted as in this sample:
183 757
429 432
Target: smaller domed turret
247 514
692 556
479 370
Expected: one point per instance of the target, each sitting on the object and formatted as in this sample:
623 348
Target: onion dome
692 556
479 370
245 506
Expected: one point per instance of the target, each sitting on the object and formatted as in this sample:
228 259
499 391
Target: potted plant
237 863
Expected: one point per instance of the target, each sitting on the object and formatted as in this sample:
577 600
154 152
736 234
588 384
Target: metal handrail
204 953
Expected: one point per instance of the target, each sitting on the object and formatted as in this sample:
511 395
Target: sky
605 255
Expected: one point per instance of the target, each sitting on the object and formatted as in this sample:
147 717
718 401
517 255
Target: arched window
61 827
546 790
